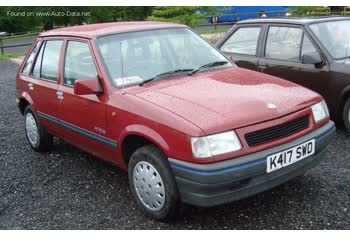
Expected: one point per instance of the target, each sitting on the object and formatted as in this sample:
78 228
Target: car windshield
132 58
335 37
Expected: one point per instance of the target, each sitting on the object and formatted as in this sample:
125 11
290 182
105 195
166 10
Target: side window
79 63
307 47
243 41
50 60
29 63
37 66
284 43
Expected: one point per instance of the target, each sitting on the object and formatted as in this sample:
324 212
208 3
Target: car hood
220 100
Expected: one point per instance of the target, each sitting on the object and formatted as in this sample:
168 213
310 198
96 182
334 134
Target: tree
46 18
191 16
15 19
304 10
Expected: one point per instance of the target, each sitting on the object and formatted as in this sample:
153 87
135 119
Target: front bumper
213 184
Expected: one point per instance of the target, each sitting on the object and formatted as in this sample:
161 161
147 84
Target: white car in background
3 34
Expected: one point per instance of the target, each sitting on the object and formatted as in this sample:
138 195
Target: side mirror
312 58
87 86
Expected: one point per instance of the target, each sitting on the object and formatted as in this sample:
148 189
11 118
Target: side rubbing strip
79 130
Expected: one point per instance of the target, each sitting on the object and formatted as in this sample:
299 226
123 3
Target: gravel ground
69 189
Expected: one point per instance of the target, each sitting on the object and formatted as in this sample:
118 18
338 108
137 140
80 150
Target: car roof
100 29
295 20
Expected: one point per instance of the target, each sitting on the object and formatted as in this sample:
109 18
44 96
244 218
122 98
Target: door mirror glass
87 87
312 58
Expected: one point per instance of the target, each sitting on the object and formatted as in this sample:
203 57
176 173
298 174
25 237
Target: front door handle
262 67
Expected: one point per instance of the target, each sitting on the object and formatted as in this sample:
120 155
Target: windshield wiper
208 65
166 74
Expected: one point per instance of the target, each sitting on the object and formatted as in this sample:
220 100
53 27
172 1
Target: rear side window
243 41
46 65
29 63
284 43
37 66
79 63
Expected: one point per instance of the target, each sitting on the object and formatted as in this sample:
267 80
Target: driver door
283 47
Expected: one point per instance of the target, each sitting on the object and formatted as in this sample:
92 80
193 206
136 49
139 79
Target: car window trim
263 56
67 40
240 27
40 42
43 45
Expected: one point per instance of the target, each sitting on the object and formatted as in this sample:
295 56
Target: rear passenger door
242 46
84 116
283 47
44 78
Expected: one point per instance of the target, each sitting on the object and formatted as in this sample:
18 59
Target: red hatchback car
160 102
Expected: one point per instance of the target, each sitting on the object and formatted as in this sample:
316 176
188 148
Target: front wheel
152 183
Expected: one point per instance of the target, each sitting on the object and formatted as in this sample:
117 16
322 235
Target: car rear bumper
213 184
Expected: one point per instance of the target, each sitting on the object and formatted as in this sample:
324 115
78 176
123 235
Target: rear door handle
31 86
59 95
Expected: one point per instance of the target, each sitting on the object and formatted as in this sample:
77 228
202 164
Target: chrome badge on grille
271 106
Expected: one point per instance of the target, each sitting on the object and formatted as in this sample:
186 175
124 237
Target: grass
213 31
11 55
8 39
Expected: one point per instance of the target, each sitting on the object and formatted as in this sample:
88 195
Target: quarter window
79 63
308 47
243 41
30 60
37 66
284 43
46 65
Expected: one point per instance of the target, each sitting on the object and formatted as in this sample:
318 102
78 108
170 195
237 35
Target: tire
346 115
38 137
151 163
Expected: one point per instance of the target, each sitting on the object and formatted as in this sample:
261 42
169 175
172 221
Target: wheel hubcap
149 186
32 129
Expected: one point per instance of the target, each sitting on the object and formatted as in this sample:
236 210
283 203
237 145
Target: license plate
290 156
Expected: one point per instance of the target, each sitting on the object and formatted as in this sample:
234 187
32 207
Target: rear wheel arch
22 104
24 101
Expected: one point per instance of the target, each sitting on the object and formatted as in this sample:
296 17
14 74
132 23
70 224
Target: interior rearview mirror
312 58
87 86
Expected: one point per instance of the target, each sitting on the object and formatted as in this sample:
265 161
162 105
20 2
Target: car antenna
122 62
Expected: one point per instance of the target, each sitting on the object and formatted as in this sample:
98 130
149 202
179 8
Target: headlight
320 111
217 144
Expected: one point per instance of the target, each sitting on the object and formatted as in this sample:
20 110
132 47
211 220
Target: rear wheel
39 139
152 183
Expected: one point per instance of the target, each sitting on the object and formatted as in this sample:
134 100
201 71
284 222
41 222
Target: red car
158 101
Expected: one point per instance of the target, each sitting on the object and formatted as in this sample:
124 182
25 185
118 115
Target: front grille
277 132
